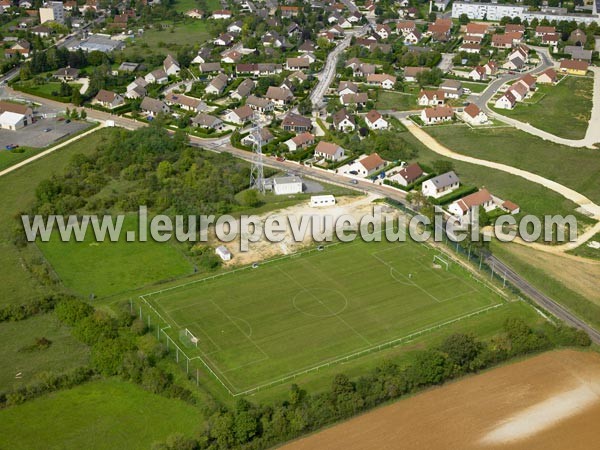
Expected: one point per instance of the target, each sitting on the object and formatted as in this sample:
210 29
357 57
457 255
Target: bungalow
478 74
551 40
441 29
154 107
297 63
307 47
210 67
224 40
347 87
342 121
408 175
521 52
574 67
231 57
217 85
203 120
221 14
437 114
171 66
289 11
542 31
441 185
510 207
301 141
202 56
502 41
41 31
506 101
512 28
514 64
577 52
235 27
470 48
410 73
21 47
262 105
548 76
462 208
240 115
477 29
451 88
383 80
329 151
469 39
370 164
360 99
24 112
264 136
406 26
195 13
431 98
158 76
473 115
375 121
279 96
364 69
66 74
296 123
244 89
185 102
108 99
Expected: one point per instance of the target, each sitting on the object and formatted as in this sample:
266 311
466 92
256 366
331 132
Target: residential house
202 56
412 37
25 113
375 121
296 123
440 30
528 81
577 52
210 67
307 47
343 121
300 141
66 74
217 85
478 74
383 80
506 101
221 14
263 136
519 91
470 48
347 87
153 107
158 76
301 63
548 76
578 38
185 102
408 175
262 105
431 98
551 40
359 100
502 41
462 208
231 57
203 120
477 29
383 31
441 185
451 88
224 40
244 89
544 30
437 114
279 96
171 66
473 115
405 26
108 99
41 31
410 73
370 164
329 151
469 39
235 27
491 68
574 67
240 115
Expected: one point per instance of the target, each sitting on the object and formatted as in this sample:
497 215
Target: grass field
322 305
588 252
107 268
98 415
63 354
9 158
576 168
563 110
396 100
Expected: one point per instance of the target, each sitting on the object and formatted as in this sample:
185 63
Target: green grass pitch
257 325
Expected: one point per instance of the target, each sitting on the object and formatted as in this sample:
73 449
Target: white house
437 114
375 121
301 141
431 98
478 74
506 101
329 151
171 66
461 208
318 201
473 115
158 76
370 164
223 253
384 80
287 185
240 115
441 185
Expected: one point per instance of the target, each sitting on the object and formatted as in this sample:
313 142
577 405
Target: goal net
187 338
440 262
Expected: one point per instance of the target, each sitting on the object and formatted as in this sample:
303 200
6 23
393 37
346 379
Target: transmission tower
257 179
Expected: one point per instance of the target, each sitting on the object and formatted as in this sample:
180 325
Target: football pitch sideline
256 325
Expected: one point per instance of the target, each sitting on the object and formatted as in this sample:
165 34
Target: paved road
541 299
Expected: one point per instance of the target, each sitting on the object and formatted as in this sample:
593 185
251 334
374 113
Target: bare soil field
551 401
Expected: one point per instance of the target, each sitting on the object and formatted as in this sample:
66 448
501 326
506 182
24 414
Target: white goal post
441 261
188 338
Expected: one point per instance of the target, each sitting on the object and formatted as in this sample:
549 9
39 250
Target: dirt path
549 402
570 194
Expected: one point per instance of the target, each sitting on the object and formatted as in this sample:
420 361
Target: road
542 300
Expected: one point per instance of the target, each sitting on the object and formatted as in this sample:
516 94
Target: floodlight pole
257 178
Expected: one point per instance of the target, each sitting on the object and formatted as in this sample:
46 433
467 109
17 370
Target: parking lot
34 135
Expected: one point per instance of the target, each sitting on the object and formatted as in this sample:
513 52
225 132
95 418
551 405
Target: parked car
11 146
353 182
47 129
353 172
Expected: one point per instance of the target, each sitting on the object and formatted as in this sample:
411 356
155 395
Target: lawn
531 197
18 191
10 158
107 268
475 87
63 354
577 168
206 5
98 415
398 101
46 90
324 305
563 110
588 252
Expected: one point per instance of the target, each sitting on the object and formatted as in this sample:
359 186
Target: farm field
546 109
64 352
107 268
99 415
578 167
324 305
549 401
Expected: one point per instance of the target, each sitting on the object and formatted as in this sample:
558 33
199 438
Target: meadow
257 325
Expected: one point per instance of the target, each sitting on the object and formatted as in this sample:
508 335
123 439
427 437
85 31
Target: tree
463 19
461 349
442 166
82 114
250 198
76 97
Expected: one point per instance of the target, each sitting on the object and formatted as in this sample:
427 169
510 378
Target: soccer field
257 325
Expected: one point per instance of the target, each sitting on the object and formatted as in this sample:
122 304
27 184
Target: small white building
441 185
287 185
223 253
11 120
317 201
